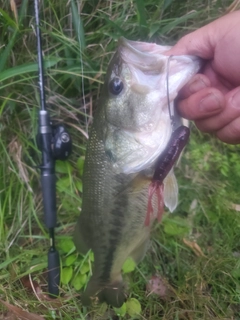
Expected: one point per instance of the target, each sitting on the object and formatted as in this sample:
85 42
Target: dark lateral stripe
115 233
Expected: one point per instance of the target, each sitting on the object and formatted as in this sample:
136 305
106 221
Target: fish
136 137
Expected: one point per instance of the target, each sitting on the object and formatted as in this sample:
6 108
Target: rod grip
49 199
53 272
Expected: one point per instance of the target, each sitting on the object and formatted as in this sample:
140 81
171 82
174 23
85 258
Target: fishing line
47 27
81 59
170 110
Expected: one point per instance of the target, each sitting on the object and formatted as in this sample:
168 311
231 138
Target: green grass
77 49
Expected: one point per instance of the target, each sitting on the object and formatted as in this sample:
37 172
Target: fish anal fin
139 251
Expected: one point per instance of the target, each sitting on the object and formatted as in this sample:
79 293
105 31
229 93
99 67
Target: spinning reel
61 142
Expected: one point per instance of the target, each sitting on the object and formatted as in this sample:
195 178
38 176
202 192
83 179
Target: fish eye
116 86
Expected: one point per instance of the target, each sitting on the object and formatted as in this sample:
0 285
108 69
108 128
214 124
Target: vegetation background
195 252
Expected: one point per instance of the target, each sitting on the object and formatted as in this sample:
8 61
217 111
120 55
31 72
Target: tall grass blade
117 30
141 13
78 25
167 3
171 25
6 52
27 68
10 22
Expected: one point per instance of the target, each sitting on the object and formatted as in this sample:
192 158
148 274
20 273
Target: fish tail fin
112 293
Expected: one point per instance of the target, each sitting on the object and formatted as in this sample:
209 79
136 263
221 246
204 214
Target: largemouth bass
123 191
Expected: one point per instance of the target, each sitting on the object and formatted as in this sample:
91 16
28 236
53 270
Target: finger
230 112
197 83
230 133
207 78
202 104
216 80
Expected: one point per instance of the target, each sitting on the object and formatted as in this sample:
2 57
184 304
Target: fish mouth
149 56
145 56
149 66
142 48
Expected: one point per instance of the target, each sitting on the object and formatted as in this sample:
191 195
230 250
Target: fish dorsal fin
170 192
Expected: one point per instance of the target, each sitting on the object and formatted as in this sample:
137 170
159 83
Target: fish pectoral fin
170 192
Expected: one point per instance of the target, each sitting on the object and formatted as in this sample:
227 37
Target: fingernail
235 100
197 85
210 103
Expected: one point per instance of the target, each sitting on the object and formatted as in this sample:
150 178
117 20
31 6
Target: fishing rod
55 143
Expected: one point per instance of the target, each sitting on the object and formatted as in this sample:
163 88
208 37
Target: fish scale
130 131
111 193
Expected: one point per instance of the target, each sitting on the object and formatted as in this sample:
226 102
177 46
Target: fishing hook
170 110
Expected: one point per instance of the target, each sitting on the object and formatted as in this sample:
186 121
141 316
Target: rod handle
53 272
48 182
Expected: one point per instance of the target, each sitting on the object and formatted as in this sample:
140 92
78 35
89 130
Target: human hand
212 98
